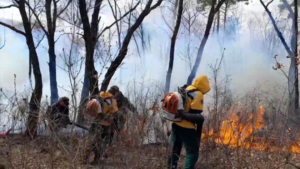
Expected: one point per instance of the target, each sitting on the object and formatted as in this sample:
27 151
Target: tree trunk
295 60
90 34
172 48
225 13
118 60
293 83
210 20
52 70
51 25
214 25
35 100
218 21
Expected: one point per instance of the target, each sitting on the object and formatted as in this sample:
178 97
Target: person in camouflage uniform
123 105
58 114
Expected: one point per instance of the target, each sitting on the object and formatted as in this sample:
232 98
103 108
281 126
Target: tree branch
124 49
288 8
279 34
156 5
128 12
66 34
39 42
37 18
13 28
69 2
8 6
69 22
220 3
269 3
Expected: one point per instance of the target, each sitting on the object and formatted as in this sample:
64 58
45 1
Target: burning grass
240 142
247 129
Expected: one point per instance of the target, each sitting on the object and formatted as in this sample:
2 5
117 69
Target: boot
96 158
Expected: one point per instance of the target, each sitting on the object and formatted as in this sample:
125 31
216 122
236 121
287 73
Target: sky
244 59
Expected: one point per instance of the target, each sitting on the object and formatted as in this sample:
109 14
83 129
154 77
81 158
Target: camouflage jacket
123 102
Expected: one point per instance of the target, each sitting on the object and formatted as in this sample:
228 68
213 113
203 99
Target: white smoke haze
246 58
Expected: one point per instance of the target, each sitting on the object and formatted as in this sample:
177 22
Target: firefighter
123 105
188 131
59 114
102 127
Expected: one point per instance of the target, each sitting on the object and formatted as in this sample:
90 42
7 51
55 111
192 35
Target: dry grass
129 152
47 153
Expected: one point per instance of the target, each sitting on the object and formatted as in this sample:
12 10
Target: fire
246 130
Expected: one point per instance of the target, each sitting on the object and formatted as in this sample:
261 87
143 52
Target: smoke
247 56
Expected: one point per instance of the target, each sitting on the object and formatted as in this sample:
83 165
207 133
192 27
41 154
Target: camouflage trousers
99 137
119 121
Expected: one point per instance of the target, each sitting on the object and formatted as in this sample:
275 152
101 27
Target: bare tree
91 35
172 46
293 81
192 30
123 51
296 57
74 64
213 10
262 30
222 96
49 28
224 11
36 96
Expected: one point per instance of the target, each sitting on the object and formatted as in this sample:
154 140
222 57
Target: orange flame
240 131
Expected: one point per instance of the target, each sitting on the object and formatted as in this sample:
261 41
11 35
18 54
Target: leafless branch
13 28
220 3
39 42
114 11
128 12
69 22
269 3
66 34
277 29
63 9
8 6
37 18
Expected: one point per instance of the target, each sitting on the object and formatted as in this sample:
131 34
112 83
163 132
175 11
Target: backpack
93 108
174 101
